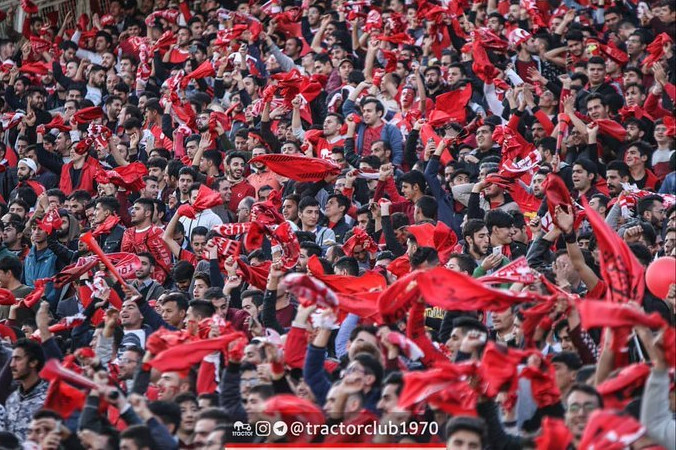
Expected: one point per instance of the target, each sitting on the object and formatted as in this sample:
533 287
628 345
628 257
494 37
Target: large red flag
621 270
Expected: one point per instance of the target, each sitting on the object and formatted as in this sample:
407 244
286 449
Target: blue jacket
41 266
390 134
446 212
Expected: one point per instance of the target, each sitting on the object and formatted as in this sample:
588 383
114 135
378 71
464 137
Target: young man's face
310 216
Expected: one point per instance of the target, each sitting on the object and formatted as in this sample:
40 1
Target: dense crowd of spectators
391 222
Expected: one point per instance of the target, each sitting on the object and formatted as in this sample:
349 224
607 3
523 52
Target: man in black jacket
105 215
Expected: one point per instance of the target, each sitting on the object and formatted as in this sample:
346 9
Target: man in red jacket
143 236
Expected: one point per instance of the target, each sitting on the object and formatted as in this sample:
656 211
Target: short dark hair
109 204
587 389
588 165
465 262
169 412
140 434
424 255
203 308
596 96
179 298
348 263
428 206
307 202
596 60
12 264
414 177
312 248
342 201
498 218
463 423
620 166
33 351
233 155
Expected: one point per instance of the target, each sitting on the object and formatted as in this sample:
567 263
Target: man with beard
235 165
33 103
113 108
584 178
180 52
12 234
223 187
96 83
434 85
128 365
25 365
582 400
617 173
186 177
144 284
651 210
477 244
106 223
524 44
26 170
143 236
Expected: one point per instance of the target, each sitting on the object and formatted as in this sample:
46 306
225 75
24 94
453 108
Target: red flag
360 238
611 128
499 368
6 297
86 115
621 270
397 39
607 429
164 339
254 275
557 195
555 435
51 221
454 103
29 7
445 386
395 301
64 398
296 167
543 384
38 291
204 70
619 391
74 271
346 284
58 123
518 271
597 314
452 290
181 357
363 304
206 198
129 177
440 237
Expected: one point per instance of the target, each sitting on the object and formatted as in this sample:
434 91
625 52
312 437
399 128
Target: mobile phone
497 250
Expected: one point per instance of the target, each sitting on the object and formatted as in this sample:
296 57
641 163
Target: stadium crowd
392 222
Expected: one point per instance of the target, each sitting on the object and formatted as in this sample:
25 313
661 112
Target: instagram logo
262 428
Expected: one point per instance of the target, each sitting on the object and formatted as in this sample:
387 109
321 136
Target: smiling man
234 172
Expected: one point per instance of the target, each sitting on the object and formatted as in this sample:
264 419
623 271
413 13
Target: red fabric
309 291
361 238
597 314
454 103
130 177
149 241
51 221
8 332
29 7
58 123
7 297
656 50
254 275
607 430
611 128
164 339
181 357
394 302
499 368
206 378
534 316
299 168
618 391
37 68
557 195
86 115
445 386
106 226
64 398
416 331
619 267
543 384
39 45
555 435
439 236
364 304
346 284
398 39
291 408
74 271
518 271
38 291
206 198
204 70
452 290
